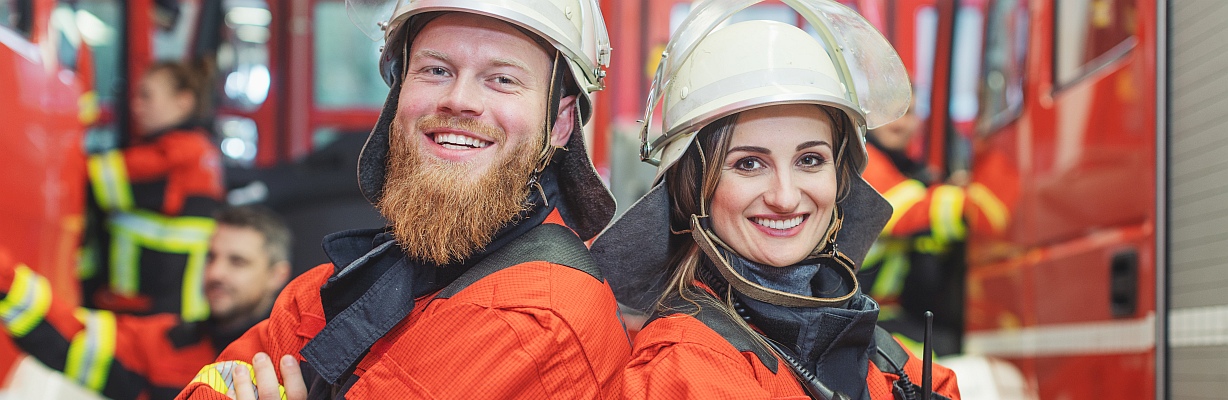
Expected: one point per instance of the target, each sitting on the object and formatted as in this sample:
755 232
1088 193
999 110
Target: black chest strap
547 242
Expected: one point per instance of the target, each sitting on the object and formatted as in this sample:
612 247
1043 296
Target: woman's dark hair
195 77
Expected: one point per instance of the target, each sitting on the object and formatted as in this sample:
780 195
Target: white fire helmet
575 28
708 72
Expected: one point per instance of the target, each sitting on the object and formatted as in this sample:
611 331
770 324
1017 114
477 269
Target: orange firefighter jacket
118 356
532 330
680 357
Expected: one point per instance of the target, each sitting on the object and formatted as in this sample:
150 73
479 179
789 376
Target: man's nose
463 98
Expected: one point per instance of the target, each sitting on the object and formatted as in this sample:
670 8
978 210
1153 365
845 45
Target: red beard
441 211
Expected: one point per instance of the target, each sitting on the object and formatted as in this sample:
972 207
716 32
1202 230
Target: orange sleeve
157 159
916 208
297 316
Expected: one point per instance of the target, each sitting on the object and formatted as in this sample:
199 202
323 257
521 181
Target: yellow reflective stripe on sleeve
946 213
219 376
989 204
902 197
109 178
27 302
92 350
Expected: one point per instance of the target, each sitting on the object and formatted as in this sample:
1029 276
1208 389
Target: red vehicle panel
44 167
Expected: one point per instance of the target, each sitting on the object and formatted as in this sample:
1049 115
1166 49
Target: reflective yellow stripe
109 178
92 350
946 213
891 274
27 302
989 204
876 253
193 305
130 232
219 377
87 261
902 197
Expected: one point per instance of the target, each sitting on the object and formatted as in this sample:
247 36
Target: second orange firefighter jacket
682 356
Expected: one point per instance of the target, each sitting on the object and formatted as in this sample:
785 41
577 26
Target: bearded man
482 286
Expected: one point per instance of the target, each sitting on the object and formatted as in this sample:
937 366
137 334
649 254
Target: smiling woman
746 250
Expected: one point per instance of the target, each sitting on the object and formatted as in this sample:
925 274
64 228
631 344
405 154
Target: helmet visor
370 16
860 52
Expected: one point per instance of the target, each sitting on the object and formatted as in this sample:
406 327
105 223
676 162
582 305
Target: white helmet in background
575 28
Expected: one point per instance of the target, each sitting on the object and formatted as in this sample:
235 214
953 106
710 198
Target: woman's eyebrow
812 143
751 149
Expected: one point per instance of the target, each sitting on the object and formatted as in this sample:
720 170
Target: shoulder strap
889 356
551 243
706 309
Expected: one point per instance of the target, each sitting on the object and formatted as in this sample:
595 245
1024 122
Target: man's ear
564 122
281 275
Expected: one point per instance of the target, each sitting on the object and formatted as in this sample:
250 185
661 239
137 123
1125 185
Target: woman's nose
782 195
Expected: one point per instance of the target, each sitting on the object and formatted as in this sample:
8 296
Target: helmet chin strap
552 109
705 240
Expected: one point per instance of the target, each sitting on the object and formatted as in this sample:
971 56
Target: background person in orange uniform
475 290
745 251
152 357
911 267
156 196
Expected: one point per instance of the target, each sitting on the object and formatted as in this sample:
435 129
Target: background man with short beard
481 287
154 356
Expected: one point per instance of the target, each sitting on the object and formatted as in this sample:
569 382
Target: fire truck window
1006 45
243 55
99 24
925 34
173 28
346 61
15 15
239 135
1090 34
64 24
